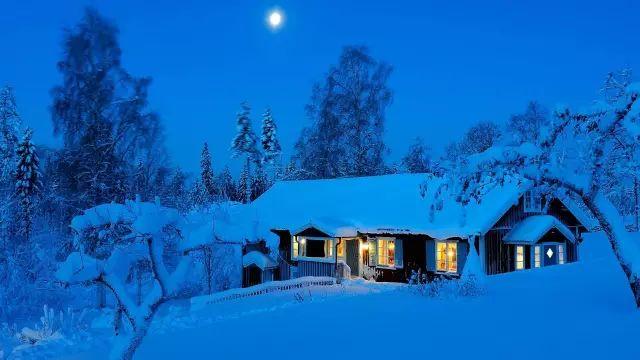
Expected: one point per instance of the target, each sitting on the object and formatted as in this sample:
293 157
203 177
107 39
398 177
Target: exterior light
303 240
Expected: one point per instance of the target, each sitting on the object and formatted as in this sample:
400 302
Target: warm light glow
450 253
392 245
275 19
303 240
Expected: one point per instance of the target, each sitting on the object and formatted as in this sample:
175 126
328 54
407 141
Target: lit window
519 257
328 248
341 248
447 256
297 247
532 202
536 256
560 254
386 252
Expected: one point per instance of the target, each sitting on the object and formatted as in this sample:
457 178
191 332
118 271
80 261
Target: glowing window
341 248
560 254
447 256
519 257
386 252
536 256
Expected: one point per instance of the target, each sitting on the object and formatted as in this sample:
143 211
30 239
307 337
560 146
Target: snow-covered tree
572 157
141 232
206 171
259 182
226 185
10 128
270 144
28 182
417 159
245 144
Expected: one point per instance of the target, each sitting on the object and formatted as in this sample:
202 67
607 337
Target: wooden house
394 224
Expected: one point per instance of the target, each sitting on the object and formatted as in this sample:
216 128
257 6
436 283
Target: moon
275 19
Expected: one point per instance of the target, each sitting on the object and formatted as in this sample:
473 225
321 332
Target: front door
550 254
352 257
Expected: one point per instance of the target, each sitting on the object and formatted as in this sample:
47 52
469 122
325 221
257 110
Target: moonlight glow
275 19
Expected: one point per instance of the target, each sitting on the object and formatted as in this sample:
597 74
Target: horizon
451 69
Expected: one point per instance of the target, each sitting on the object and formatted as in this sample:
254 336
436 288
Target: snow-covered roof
533 228
399 203
258 259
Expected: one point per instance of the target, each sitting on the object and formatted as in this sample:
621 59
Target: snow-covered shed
403 222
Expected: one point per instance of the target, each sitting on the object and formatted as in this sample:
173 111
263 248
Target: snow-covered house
404 222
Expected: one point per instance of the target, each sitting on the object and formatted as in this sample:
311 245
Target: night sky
455 62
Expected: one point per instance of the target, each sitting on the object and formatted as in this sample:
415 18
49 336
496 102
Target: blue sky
455 62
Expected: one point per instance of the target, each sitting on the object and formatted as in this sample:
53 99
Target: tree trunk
597 206
636 206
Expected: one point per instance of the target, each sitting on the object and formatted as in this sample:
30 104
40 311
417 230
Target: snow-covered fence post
148 225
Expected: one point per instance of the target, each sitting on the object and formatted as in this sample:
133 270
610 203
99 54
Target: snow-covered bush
370 273
54 326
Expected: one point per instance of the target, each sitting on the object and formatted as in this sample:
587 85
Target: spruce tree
28 181
206 172
244 144
270 143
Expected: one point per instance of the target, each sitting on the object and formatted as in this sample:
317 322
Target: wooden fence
262 289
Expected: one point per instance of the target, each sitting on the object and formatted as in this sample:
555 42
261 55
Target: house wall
500 257
413 258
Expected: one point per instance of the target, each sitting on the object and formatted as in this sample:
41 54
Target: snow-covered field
582 310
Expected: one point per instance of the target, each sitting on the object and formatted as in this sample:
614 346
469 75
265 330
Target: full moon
275 19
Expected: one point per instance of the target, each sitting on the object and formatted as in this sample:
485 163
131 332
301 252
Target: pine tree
270 143
244 144
206 172
244 185
28 181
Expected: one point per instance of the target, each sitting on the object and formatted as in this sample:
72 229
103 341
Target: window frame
532 202
299 243
447 243
537 256
519 258
383 245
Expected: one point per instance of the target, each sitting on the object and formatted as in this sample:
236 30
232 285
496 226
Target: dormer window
532 202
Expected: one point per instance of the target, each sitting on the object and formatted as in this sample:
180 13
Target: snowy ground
582 310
